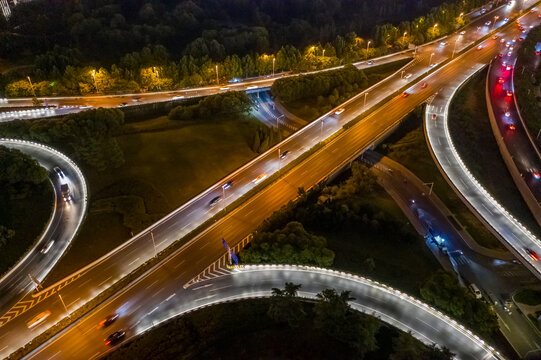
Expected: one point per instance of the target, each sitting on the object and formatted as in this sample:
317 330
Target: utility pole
64 304
153 243
454 48
31 86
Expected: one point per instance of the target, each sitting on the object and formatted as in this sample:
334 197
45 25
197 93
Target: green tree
444 292
285 306
335 317
290 245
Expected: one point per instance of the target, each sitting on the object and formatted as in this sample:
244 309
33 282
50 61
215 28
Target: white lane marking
81 284
180 263
89 330
94 356
170 297
149 286
54 355
73 302
104 281
220 288
202 287
151 311
133 261
206 297
482 204
4 348
182 273
205 244
157 292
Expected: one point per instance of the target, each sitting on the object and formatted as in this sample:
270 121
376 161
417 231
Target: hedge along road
159 299
62 226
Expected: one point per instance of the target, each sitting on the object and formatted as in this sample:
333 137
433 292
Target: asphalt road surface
206 247
169 298
61 229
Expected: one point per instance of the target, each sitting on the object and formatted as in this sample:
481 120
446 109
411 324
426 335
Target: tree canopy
444 292
290 245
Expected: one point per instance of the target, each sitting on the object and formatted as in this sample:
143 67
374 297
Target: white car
407 76
260 178
47 247
339 111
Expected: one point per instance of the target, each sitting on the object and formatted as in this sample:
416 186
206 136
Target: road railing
84 197
480 189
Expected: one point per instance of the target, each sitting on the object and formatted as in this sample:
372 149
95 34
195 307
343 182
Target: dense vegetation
444 292
290 245
335 83
230 103
283 327
26 199
283 239
119 45
528 81
86 136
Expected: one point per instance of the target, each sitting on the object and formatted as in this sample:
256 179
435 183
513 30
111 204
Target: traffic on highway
204 248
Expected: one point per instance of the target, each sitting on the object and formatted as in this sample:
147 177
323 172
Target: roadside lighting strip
513 222
84 197
491 351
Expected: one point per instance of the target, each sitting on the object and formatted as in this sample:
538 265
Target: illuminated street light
367 46
31 86
430 61
454 47
273 61
217 81
404 36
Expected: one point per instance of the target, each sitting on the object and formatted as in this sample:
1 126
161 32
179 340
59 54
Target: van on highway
475 290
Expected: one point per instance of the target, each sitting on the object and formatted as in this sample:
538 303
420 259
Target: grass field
167 163
469 125
402 264
310 109
15 215
408 147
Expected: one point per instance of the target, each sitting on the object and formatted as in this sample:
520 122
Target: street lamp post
321 131
430 61
323 54
494 22
365 95
454 47
273 61
404 37
367 46
64 304
154 244
31 86
217 81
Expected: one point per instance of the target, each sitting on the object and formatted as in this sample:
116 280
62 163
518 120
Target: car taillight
107 342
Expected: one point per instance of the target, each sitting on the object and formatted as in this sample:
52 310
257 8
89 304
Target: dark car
59 172
532 254
107 321
215 200
115 337
228 184
284 154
